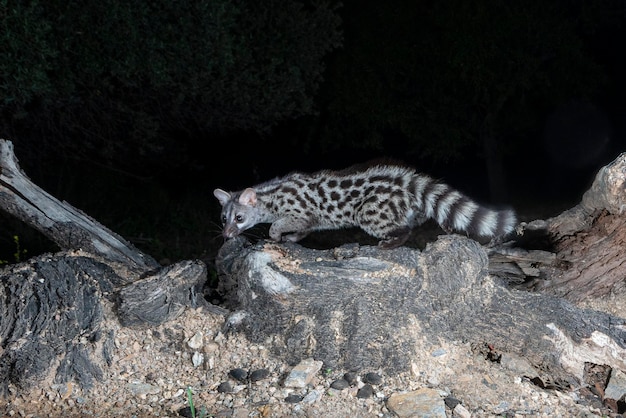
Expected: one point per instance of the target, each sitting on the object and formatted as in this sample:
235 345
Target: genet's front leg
289 229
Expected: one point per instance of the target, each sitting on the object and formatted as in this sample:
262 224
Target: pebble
423 402
350 377
340 384
238 374
140 388
195 342
451 402
293 398
365 392
460 411
303 373
372 378
617 385
259 374
197 359
312 396
225 387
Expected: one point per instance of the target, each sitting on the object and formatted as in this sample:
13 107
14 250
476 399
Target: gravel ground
153 369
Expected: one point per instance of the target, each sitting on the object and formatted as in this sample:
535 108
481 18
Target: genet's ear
248 197
222 196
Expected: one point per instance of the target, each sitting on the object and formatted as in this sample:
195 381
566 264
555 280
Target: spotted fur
386 201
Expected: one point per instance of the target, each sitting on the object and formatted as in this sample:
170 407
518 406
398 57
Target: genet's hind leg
396 238
289 229
384 222
295 237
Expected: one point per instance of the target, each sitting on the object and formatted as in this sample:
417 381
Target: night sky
418 81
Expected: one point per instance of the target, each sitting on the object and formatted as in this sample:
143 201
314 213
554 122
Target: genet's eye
239 218
224 219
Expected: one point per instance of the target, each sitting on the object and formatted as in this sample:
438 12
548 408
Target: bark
59 312
363 308
581 252
62 223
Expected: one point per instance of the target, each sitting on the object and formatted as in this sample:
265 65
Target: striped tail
454 211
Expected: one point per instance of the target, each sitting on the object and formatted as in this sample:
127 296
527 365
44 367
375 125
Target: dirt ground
154 371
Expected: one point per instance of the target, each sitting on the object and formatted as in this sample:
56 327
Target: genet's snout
230 231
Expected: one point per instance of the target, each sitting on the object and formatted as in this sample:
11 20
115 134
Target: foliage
202 413
124 76
19 254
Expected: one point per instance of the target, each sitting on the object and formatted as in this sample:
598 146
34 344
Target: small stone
460 411
438 352
617 385
141 388
419 403
340 384
451 402
312 396
197 359
225 387
350 378
365 392
238 374
302 373
293 398
372 378
185 412
259 374
195 342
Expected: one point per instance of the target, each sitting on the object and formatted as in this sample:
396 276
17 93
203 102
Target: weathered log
58 312
581 253
362 308
62 223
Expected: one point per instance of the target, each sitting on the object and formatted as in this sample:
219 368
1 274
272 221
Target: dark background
134 113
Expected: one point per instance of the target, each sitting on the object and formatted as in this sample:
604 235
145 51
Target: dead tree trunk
582 255
58 312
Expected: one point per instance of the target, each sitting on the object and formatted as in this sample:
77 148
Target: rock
340 384
422 403
372 378
259 374
197 359
518 365
350 377
195 342
141 388
293 398
239 374
451 402
302 374
365 392
460 411
617 385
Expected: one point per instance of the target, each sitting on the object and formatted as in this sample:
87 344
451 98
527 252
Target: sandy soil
153 369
